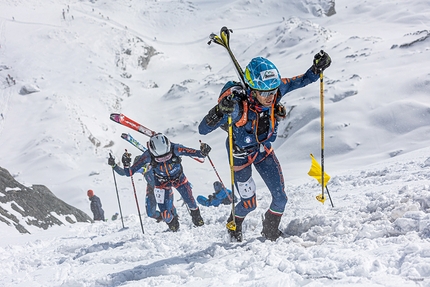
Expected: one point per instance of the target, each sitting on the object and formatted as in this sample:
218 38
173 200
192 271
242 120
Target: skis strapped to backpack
224 40
134 142
126 121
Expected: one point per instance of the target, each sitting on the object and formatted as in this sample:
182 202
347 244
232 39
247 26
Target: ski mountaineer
256 111
165 160
220 196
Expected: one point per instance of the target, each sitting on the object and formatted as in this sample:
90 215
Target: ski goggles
163 158
266 94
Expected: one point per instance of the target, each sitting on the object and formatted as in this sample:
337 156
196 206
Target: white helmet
159 145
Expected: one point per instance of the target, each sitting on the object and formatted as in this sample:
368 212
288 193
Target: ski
126 121
224 40
134 142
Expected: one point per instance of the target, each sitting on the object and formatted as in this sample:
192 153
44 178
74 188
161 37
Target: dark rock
37 205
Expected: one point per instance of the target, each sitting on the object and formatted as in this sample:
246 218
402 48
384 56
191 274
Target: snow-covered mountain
66 65
150 61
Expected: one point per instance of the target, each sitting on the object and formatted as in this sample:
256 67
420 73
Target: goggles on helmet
266 94
163 158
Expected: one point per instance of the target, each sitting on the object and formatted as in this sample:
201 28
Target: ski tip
124 135
115 117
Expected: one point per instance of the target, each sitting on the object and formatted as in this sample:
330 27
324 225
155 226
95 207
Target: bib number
246 189
159 195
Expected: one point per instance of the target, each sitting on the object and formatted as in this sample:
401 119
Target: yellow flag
316 173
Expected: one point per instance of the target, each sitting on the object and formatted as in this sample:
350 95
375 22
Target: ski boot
270 226
174 224
196 218
237 233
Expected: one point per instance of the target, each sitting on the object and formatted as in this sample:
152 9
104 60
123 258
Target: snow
72 72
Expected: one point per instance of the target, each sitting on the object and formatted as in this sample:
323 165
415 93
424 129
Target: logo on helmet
269 74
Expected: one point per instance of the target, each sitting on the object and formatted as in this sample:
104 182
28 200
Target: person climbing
255 111
221 195
165 160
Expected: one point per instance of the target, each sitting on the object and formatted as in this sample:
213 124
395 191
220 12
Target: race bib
246 189
159 195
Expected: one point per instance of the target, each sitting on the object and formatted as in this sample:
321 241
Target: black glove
238 93
111 161
321 62
126 159
226 106
205 149
280 112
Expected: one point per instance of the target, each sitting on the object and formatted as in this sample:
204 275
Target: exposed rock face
22 206
330 11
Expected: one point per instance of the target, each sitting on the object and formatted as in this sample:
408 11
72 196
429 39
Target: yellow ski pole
232 224
321 197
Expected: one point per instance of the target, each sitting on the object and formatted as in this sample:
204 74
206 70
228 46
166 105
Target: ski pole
232 224
117 195
322 134
135 196
137 202
321 197
329 196
216 172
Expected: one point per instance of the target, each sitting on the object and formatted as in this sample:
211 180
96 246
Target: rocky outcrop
37 206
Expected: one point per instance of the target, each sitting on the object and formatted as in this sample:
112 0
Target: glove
321 62
205 149
226 106
111 161
126 159
280 112
238 92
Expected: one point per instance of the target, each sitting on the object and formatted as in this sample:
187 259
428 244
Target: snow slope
87 63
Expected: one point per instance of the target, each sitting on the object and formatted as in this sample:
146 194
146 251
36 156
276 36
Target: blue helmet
262 75
217 186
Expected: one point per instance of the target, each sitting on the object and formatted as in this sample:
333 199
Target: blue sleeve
204 128
226 91
144 159
290 84
119 170
181 150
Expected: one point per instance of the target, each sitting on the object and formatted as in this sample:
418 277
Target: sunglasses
266 94
163 158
